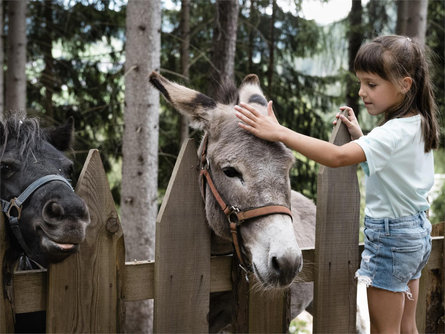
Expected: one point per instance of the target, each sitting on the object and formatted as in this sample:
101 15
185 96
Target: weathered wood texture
337 232
269 312
257 311
84 293
430 305
30 287
182 258
6 289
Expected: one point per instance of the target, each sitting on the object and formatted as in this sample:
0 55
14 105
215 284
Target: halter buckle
13 205
246 273
232 215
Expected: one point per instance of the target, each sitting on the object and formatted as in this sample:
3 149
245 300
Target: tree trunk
185 59
252 30
401 16
16 76
140 145
270 67
411 19
2 59
224 44
355 37
47 77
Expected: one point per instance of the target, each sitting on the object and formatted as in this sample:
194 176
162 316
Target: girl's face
378 94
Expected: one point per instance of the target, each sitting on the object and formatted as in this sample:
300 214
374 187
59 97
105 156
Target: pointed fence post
182 265
336 245
84 291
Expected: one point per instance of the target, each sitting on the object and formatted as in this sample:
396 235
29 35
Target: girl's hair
394 58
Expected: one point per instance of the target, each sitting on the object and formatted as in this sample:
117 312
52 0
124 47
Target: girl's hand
351 122
262 126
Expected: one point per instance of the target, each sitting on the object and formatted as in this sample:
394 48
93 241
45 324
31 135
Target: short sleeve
378 146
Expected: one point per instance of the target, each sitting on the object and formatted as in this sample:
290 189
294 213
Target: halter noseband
235 215
13 208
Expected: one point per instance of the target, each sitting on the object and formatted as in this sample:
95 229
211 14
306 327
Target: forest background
76 58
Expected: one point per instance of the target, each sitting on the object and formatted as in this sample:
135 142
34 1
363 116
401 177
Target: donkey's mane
227 94
26 132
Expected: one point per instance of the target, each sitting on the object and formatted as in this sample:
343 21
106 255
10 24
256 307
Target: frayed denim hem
368 282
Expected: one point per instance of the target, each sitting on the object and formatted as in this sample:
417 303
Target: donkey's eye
232 172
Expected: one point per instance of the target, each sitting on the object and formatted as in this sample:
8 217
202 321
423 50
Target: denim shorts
396 250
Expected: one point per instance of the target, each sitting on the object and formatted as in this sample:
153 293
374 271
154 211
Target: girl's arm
325 153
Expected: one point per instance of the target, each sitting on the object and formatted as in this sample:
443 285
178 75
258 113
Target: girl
398 162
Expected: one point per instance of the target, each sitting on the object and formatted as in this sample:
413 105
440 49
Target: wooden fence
87 291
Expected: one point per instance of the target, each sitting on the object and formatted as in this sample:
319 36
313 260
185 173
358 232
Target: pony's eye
232 172
7 168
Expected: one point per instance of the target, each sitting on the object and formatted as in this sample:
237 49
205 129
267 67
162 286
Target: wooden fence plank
269 312
86 286
182 266
6 288
337 231
30 291
441 325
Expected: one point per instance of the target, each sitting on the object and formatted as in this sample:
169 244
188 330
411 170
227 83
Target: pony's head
44 215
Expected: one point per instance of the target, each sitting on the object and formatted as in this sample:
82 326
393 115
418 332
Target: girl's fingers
247 112
350 111
249 108
244 118
344 119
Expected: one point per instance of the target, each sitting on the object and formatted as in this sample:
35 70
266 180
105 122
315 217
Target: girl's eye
232 172
372 85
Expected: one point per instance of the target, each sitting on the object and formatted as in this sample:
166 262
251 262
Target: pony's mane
26 132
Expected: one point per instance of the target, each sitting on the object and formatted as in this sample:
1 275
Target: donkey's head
248 173
48 220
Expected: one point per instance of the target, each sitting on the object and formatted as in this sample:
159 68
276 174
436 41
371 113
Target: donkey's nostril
275 264
286 265
52 210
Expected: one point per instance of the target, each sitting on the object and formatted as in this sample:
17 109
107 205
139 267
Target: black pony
45 218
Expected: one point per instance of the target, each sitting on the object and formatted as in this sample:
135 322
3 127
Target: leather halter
13 208
235 215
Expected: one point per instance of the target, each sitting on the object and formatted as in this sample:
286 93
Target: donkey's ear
61 137
250 92
197 106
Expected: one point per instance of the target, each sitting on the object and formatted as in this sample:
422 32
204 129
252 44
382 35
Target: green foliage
298 326
435 41
75 54
300 100
437 212
82 72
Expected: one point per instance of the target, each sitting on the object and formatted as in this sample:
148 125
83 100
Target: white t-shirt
399 173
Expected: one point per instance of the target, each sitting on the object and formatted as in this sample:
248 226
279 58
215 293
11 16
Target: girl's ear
406 84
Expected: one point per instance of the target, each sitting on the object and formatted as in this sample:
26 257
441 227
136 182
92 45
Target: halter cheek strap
13 208
235 216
